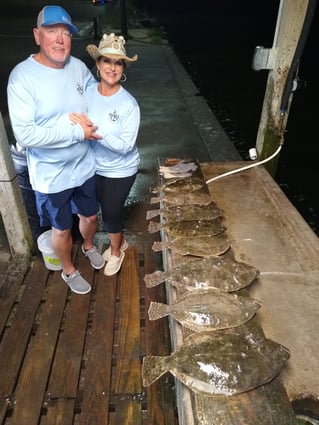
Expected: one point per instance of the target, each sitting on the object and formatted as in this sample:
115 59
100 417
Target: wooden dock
68 359
76 359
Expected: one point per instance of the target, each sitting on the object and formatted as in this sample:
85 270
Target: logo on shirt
114 116
80 88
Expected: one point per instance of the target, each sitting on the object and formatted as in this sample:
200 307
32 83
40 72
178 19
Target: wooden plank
63 386
15 340
33 377
128 370
67 362
96 387
61 412
128 411
127 379
160 395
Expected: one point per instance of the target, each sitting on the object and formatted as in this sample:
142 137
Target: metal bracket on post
263 58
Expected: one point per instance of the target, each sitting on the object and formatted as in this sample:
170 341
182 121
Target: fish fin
155 199
153 368
256 303
168 175
157 310
156 189
182 167
159 246
154 227
152 213
154 279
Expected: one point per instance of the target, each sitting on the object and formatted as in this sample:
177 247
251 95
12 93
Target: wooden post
290 22
12 208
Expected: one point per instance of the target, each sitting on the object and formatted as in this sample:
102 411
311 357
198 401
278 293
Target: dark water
215 41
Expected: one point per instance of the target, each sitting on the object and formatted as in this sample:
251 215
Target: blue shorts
57 209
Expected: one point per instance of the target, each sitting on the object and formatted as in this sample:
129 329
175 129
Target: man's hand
87 125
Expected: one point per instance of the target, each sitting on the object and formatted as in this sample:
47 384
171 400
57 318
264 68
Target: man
42 91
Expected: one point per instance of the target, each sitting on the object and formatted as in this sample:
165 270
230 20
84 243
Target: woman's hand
80 118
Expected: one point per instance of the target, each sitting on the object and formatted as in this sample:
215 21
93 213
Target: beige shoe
114 264
107 252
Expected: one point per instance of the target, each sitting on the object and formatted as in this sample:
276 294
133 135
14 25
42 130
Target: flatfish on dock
182 169
224 273
221 363
186 212
181 185
189 228
201 246
198 197
207 310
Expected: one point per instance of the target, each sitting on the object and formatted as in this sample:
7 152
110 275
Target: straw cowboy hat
111 46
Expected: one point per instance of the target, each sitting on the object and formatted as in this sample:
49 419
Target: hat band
106 50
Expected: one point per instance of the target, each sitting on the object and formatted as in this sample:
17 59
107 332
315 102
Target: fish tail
152 213
155 199
257 304
157 310
159 246
154 279
153 368
154 227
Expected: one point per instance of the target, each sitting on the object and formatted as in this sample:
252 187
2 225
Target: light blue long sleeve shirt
40 99
118 121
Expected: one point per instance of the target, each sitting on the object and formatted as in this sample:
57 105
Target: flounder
201 246
181 185
180 167
189 228
221 363
180 170
224 273
207 310
198 197
186 212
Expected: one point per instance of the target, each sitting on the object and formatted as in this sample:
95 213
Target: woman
116 113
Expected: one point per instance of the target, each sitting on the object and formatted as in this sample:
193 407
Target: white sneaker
114 264
107 252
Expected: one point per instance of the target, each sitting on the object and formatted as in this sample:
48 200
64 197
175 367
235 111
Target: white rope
246 167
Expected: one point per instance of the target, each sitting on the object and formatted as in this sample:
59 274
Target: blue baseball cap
52 15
